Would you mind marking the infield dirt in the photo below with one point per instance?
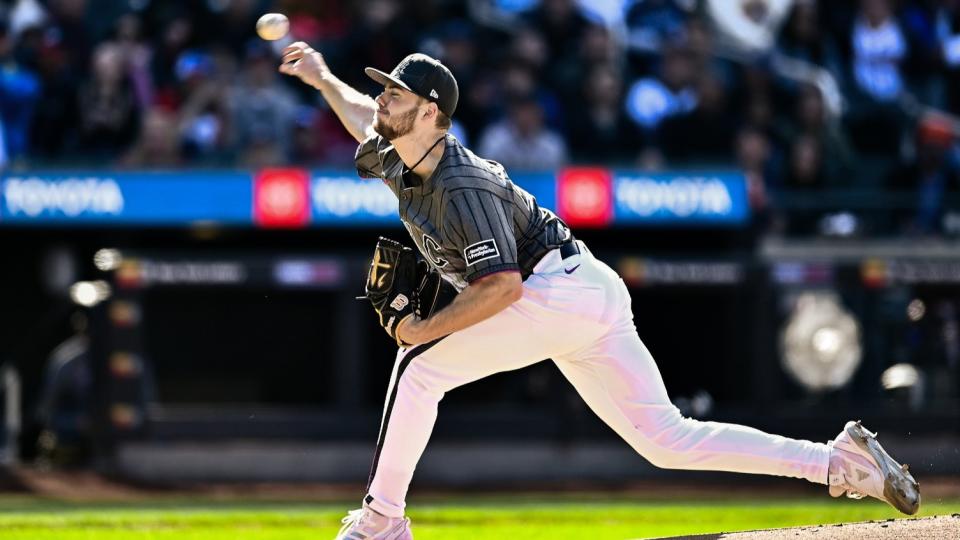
(926, 528)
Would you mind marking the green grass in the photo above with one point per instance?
(481, 518)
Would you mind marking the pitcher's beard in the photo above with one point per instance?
(404, 125)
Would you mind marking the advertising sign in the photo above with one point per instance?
(126, 198)
(672, 198)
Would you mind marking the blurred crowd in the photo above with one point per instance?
(799, 94)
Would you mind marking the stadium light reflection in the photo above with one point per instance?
(89, 293)
(820, 342)
(107, 259)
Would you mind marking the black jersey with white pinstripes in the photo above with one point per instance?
(468, 219)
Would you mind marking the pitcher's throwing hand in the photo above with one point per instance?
(302, 61)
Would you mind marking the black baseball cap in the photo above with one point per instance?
(425, 77)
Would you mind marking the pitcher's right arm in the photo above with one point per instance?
(354, 109)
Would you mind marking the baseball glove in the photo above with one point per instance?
(399, 286)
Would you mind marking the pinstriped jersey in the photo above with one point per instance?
(468, 219)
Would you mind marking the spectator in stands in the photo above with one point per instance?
(205, 114)
(529, 46)
(948, 35)
(879, 48)
(320, 140)
(19, 91)
(109, 109)
(758, 96)
(521, 141)
(70, 29)
(562, 25)
(597, 48)
(457, 48)
(933, 173)
(923, 65)
(158, 144)
(457, 44)
(598, 131)
(236, 24)
(263, 111)
(652, 99)
(137, 55)
(519, 79)
(699, 40)
(810, 120)
(804, 38)
(176, 36)
(703, 133)
(377, 36)
(754, 157)
(653, 24)
(805, 171)
(54, 130)
(805, 167)
(480, 102)
(527, 71)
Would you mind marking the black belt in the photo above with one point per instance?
(569, 248)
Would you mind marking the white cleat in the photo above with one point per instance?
(366, 524)
(859, 467)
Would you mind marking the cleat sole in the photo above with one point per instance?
(899, 487)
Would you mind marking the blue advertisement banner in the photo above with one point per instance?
(340, 199)
(543, 186)
(126, 198)
(334, 198)
(673, 199)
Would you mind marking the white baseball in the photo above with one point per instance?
(272, 26)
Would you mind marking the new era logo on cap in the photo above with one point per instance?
(424, 76)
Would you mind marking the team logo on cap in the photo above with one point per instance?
(434, 94)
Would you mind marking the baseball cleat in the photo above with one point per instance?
(367, 524)
(859, 466)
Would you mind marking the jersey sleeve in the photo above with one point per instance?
(479, 225)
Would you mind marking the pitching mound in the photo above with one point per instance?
(928, 528)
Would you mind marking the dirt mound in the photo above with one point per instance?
(926, 528)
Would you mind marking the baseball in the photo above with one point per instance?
(272, 26)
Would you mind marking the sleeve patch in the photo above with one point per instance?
(481, 251)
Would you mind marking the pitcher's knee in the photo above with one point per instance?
(664, 457)
(668, 441)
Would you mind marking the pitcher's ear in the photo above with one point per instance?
(431, 110)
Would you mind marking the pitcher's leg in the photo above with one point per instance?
(409, 413)
(523, 334)
(619, 380)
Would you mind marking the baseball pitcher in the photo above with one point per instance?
(525, 290)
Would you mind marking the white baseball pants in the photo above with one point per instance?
(577, 312)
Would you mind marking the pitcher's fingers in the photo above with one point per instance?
(292, 56)
(288, 68)
(296, 45)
